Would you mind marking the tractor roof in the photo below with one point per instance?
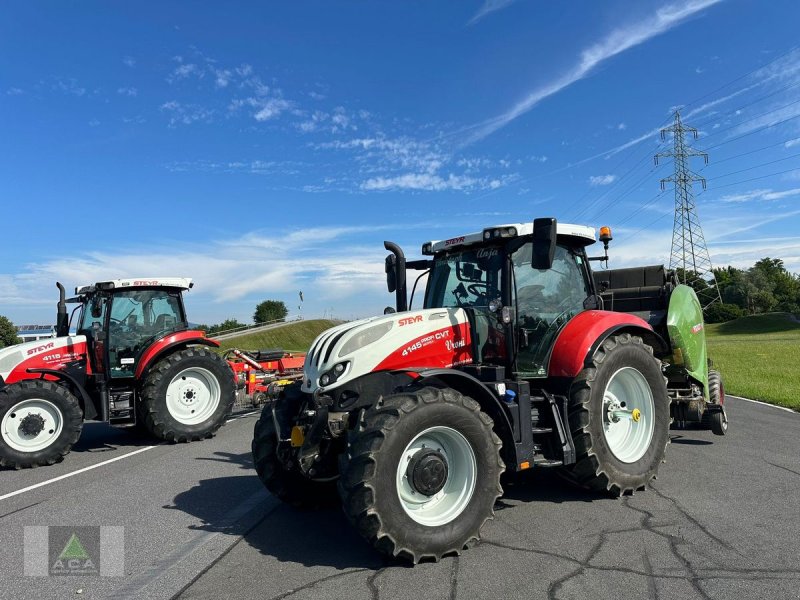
(183, 283)
(581, 235)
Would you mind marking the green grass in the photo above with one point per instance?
(759, 357)
(292, 337)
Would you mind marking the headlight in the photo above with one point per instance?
(365, 337)
(329, 377)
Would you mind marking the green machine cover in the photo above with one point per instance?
(687, 334)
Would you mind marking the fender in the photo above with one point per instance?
(173, 340)
(89, 408)
(478, 391)
(580, 338)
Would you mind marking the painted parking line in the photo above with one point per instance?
(100, 464)
(78, 472)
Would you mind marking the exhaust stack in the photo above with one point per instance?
(62, 323)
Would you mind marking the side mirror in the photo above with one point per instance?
(391, 274)
(544, 243)
(97, 308)
(389, 310)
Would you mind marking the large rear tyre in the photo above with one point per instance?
(423, 474)
(187, 396)
(286, 484)
(619, 417)
(39, 422)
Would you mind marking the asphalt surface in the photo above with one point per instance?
(721, 521)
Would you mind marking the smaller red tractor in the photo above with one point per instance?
(134, 361)
(263, 373)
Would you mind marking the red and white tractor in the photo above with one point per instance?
(134, 361)
(520, 358)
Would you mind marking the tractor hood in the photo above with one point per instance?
(432, 338)
(50, 353)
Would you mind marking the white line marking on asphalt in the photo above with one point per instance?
(78, 472)
(100, 464)
(763, 403)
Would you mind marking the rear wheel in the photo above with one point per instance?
(187, 396)
(39, 422)
(422, 475)
(619, 417)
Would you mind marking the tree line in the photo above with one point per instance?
(765, 287)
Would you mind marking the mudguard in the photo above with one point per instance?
(180, 338)
(580, 338)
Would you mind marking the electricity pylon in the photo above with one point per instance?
(689, 255)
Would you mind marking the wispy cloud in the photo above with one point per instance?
(127, 91)
(14, 91)
(185, 114)
(766, 194)
(596, 180)
(69, 86)
(429, 182)
(614, 43)
(488, 7)
(129, 61)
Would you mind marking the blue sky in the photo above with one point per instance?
(268, 148)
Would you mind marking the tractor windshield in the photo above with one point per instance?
(138, 317)
(466, 278)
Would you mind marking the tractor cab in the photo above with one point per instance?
(519, 286)
(122, 318)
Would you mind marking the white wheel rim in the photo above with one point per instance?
(193, 396)
(47, 416)
(453, 498)
(628, 415)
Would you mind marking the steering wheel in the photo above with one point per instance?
(474, 288)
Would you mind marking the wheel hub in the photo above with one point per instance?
(32, 425)
(427, 471)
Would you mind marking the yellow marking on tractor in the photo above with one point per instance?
(298, 436)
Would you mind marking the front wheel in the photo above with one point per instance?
(39, 422)
(422, 474)
(187, 396)
(619, 417)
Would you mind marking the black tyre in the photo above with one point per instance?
(717, 420)
(187, 396)
(288, 485)
(423, 474)
(619, 417)
(39, 422)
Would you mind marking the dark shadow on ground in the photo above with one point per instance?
(102, 437)
(324, 537)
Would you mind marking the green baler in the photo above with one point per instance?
(673, 310)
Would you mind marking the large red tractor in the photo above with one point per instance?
(133, 362)
(513, 363)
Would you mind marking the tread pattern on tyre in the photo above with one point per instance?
(153, 411)
(73, 424)
(289, 486)
(588, 472)
(356, 486)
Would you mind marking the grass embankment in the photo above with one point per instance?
(292, 337)
(759, 357)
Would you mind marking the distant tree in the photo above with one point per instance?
(720, 313)
(224, 326)
(270, 310)
(8, 333)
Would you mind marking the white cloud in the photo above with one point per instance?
(596, 180)
(14, 91)
(185, 114)
(271, 108)
(129, 61)
(69, 86)
(791, 143)
(94, 123)
(766, 194)
(127, 91)
(489, 6)
(614, 43)
(622, 126)
(430, 182)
